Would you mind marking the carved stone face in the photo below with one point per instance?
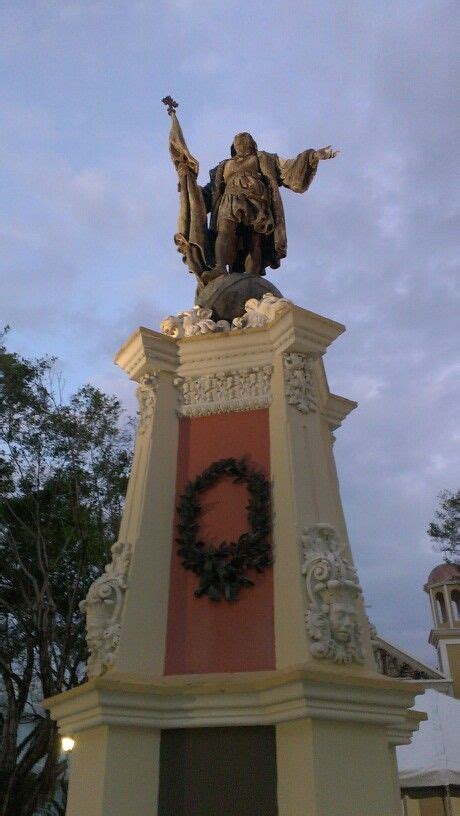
(171, 326)
(244, 144)
(342, 620)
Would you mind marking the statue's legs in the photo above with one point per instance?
(253, 260)
(226, 247)
(228, 251)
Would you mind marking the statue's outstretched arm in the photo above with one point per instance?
(324, 153)
(297, 174)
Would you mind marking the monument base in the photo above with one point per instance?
(208, 695)
(281, 743)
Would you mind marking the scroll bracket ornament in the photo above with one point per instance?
(259, 313)
(146, 393)
(333, 590)
(103, 607)
(198, 320)
(298, 381)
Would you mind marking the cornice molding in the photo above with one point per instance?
(255, 698)
(147, 351)
(293, 331)
(337, 409)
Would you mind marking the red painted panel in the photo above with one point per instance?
(204, 635)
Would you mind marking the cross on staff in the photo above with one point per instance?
(171, 104)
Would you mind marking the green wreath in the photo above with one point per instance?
(222, 570)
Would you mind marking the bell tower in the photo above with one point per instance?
(443, 588)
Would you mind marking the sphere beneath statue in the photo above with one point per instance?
(227, 294)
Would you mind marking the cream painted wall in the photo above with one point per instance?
(148, 523)
(294, 760)
(114, 772)
(410, 807)
(354, 771)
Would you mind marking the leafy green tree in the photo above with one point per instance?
(63, 473)
(446, 529)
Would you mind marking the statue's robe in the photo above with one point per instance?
(194, 239)
(295, 174)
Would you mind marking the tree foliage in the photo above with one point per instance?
(446, 529)
(63, 473)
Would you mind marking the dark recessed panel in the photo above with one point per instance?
(218, 772)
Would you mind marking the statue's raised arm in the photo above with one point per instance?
(191, 237)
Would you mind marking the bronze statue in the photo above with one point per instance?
(246, 230)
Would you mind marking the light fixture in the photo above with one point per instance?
(67, 744)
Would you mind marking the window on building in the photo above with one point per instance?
(440, 607)
(455, 603)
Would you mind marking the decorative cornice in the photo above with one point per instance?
(147, 351)
(298, 381)
(103, 607)
(255, 698)
(336, 409)
(224, 392)
(436, 635)
(146, 393)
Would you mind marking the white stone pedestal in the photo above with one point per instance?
(177, 683)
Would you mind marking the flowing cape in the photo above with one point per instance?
(191, 237)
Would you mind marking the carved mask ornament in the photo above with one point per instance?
(103, 607)
(333, 590)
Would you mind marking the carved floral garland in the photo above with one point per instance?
(222, 570)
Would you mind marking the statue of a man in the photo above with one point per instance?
(246, 230)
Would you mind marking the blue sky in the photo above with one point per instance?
(89, 207)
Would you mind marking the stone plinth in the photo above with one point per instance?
(268, 705)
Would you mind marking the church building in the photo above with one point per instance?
(429, 768)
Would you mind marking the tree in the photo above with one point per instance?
(446, 529)
(63, 473)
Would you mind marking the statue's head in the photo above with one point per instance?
(243, 144)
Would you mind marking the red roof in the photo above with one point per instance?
(443, 573)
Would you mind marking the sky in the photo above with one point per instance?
(89, 206)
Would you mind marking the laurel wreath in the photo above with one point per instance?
(223, 570)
